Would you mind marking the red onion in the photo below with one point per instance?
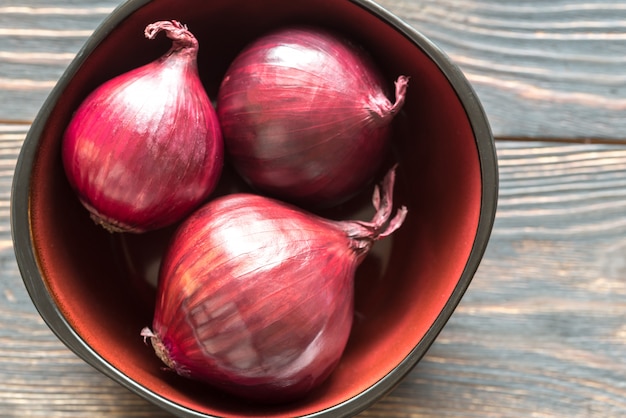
(305, 116)
(145, 148)
(255, 296)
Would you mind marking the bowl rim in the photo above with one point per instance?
(29, 267)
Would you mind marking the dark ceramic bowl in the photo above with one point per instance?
(93, 288)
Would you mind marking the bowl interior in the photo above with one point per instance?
(405, 290)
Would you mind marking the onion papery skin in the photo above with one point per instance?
(255, 296)
(306, 117)
(145, 148)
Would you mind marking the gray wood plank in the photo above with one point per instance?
(549, 69)
(38, 40)
(541, 68)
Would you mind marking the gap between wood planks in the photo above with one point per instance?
(577, 140)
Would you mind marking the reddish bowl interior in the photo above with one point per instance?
(406, 289)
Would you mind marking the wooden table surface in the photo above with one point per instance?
(541, 331)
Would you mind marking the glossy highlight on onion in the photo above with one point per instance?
(255, 296)
(306, 117)
(145, 148)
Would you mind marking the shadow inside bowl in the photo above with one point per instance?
(102, 284)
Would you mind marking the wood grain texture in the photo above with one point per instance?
(38, 41)
(39, 376)
(541, 331)
(550, 69)
(541, 68)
